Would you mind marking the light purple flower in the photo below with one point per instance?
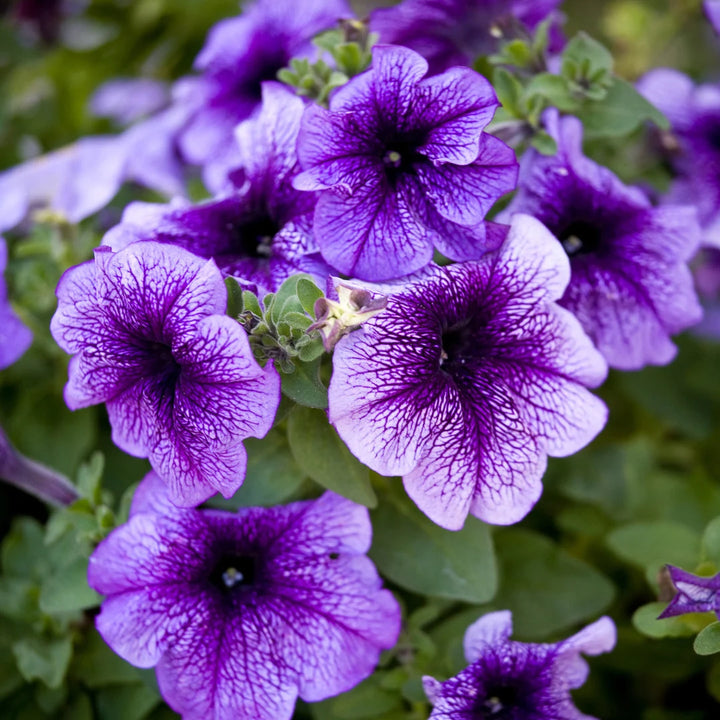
(126, 100)
(630, 286)
(149, 338)
(469, 379)
(712, 12)
(404, 167)
(15, 338)
(522, 681)
(242, 612)
(239, 54)
(82, 178)
(706, 269)
(692, 149)
(694, 594)
(262, 232)
(457, 32)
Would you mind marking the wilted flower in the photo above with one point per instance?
(149, 338)
(456, 32)
(242, 612)
(694, 594)
(630, 285)
(469, 379)
(517, 681)
(261, 232)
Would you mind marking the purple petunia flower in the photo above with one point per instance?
(404, 167)
(242, 612)
(630, 285)
(693, 148)
(149, 338)
(523, 681)
(239, 54)
(126, 100)
(15, 338)
(469, 379)
(694, 594)
(262, 232)
(457, 32)
(712, 12)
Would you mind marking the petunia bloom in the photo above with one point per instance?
(469, 379)
(630, 284)
(403, 166)
(239, 54)
(242, 612)
(694, 594)
(148, 335)
(15, 338)
(260, 231)
(457, 32)
(516, 680)
(712, 11)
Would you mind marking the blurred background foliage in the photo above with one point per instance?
(644, 494)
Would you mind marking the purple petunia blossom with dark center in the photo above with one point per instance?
(261, 232)
(242, 612)
(469, 379)
(457, 32)
(630, 284)
(404, 167)
(693, 148)
(149, 337)
(239, 54)
(15, 338)
(510, 680)
(695, 594)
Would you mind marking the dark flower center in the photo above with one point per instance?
(580, 237)
(162, 365)
(499, 702)
(233, 572)
(400, 155)
(256, 235)
(459, 345)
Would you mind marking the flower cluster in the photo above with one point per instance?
(352, 257)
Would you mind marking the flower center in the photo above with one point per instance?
(497, 703)
(256, 235)
(399, 155)
(580, 238)
(458, 346)
(233, 572)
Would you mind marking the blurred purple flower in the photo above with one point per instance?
(515, 680)
(239, 54)
(15, 338)
(457, 32)
(149, 338)
(694, 594)
(262, 232)
(693, 148)
(630, 286)
(712, 12)
(242, 612)
(404, 167)
(126, 100)
(469, 379)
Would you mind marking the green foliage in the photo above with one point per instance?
(708, 640)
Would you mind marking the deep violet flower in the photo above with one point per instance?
(694, 594)
(511, 680)
(693, 148)
(239, 54)
(630, 285)
(242, 612)
(706, 270)
(404, 167)
(469, 379)
(457, 32)
(149, 338)
(15, 338)
(261, 233)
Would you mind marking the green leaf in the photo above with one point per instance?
(367, 700)
(652, 545)
(251, 303)
(509, 90)
(420, 556)
(96, 665)
(43, 659)
(308, 292)
(711, 542)
(304, 385)
(89, 478)
(321, 454)
(67, 589)
(546, 588)
(235, 302)
(544, 143)
(585, 52)
(708, 640)
(622, 110)
(554, 89)
(645, 620)
(126, 702)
